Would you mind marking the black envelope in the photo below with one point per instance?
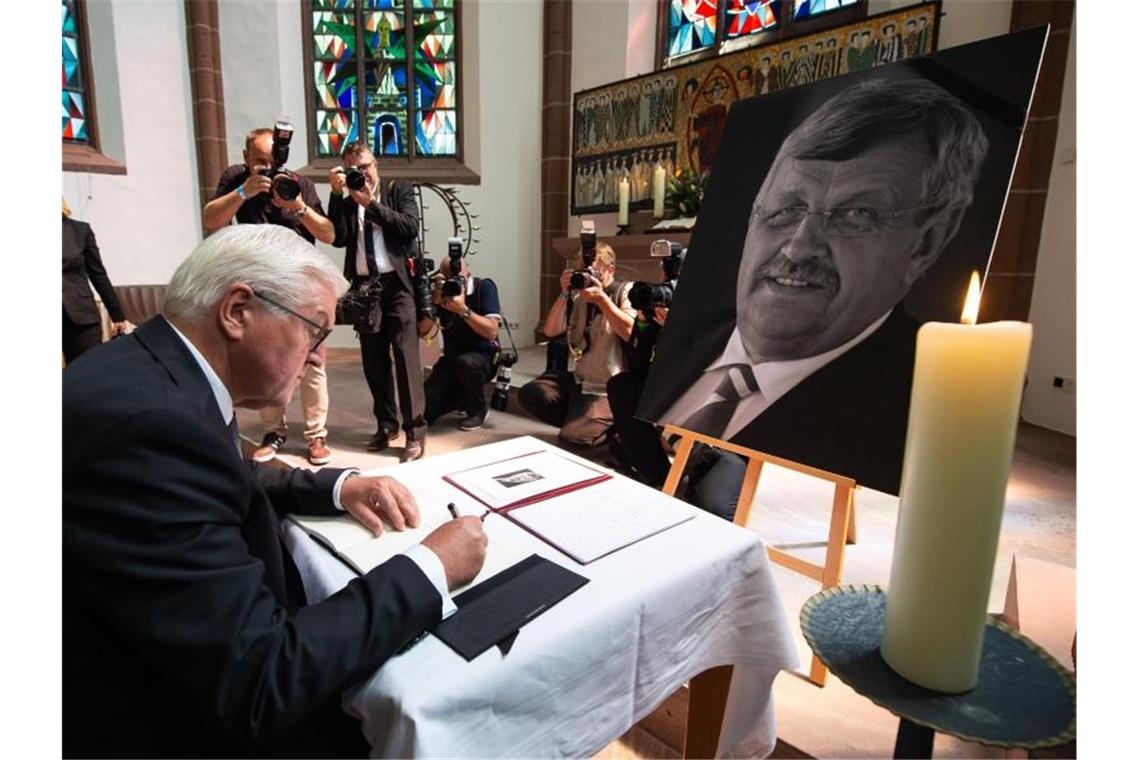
(494, 611)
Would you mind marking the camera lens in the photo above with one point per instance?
(577, 281)
(286, 187)
(354, 178)
(451, 288)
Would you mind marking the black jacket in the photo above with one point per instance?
(182, 634)
(81, 262)
(397, 214)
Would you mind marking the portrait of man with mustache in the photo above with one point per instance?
(860, 200)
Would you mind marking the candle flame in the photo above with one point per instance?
(973, 300)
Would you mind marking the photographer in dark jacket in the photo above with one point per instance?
(377, 225)
(469, 322)
(713, 477)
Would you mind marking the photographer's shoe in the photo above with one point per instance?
(318, 452)
(379, 441)
(413, 450)
(473, 421)
(268, 449)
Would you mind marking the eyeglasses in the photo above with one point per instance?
(319, 333)
(360, 167)
(845, 221)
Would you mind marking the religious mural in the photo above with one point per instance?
(675, 118)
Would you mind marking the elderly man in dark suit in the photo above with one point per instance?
(185, 629)
(377, 225)
(859, 202)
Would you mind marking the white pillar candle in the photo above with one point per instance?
(623, 202)
(963, 420)
(659, 191)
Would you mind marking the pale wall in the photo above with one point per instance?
(1054, 309)
(147, 220)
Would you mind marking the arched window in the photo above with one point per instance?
(386, 72)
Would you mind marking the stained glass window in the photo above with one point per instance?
(747, 16)
(692, 25)
(806, 9)
(701, 28)
(370, 84)
(75, 105)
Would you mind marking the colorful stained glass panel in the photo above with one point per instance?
(745, 17)
(388, 132)
(336, 5)
(335, 83)
(805, 9)
(435, 35)
(74, 117)
(384, 34)
(435, 81)
(69, 17)
(334, 35)
(71, 63)
(384, 5)
(435, 132)
(692, 25)
(335, 129)
(433, 4)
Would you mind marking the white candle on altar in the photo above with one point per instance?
(659, 191)
(623, 202)
(963, 420)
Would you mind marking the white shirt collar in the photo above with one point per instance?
(778, 377)
(221, 394)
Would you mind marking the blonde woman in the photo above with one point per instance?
(81, 262)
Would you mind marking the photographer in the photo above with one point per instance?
(713, 477)
(469, 321)
(377, 224)
(261, 191)
(601, 317)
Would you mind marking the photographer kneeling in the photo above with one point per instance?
(713, 477)
(600, 315)
(469, 319)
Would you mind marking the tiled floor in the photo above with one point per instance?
(1039, 522)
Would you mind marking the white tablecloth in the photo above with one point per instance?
(653, 615)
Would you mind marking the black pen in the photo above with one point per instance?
(452, 510)
(484, 515)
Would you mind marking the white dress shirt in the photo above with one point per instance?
(383, 260)
(775, 378)
(425, 558)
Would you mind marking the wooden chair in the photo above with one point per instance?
(842, 525)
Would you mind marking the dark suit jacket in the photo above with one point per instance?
(180, 634)
(849, 417)
(81, 261)
(397, 214)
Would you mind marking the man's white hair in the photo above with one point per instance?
(271, 259)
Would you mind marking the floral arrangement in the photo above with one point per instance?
(684, 193)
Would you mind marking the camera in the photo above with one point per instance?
(503, 381)
(453, 285)
(421, 287)
(355, 179)
(284, 183)
(587, 238)
(644, 296)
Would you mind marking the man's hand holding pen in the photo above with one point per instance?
(461, 546)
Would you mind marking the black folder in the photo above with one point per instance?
(497, 608)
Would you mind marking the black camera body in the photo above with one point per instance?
(645, 296)
(355, 179)
(285, 183)
(421, 287)
(453, 284)
(503, 381)
(588, 240)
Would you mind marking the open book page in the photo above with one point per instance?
(345, 537)
(523, 479)
(593, 522)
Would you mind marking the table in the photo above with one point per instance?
(1024, 697)
(654, 615)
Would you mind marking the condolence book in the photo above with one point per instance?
(583, 512)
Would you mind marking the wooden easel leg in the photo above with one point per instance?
(684, 449)
(708, 694)
(748, 492)
(851, 524)
(833, 561)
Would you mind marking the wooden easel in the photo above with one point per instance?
(840, 533)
